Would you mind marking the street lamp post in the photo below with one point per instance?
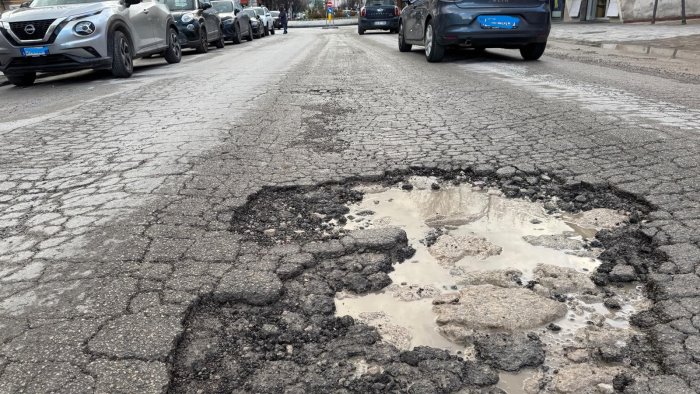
(682, 12)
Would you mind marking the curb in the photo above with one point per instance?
(663, 52)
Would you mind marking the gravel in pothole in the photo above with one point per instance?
(503, 280)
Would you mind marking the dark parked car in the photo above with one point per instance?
(379, 15)
(236, 23)
(255, 22)
(276, 19)
(198, 24)
(436, 24)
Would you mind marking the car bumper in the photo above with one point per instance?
(188, 34)
(66, 52)
(459, 26)
(382, 24)
(229, 30)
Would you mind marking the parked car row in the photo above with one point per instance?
(69, 35)
(477, 24)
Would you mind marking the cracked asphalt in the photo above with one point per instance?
(117, 196)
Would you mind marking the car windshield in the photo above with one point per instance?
(48, 3)
(222, 6)
(380, 2)
(249, 12)
(259, 11)
(180, 5)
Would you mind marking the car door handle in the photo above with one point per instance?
(145, 11)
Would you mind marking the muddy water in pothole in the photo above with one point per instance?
(480, 237)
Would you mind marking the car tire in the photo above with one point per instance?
(237, 34)
(250, 37)
(174, 52)
(220, 42)
(272, 30)
(360, 31)
(122, 55)
(403, 47)
(434, 52)
(266, 31)
(22, 80)
(533, 51)
(203, 46)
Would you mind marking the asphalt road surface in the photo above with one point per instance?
(116, 196)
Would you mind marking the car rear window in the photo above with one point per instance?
(380, 2)
(222, 6)
(180, 5)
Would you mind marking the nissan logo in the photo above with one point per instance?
(29, 29)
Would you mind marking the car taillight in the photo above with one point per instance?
(397, 11)
(363, 12)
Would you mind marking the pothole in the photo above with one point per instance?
(449, 284)
(488, 265)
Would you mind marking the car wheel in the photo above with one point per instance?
(434, 52)
(403, 47)
(122, 56)
(203, 45)
(24, 79)
(174, 53)
(237, 34)
(360, 30)
(250, 33)
(272, 30)
(220, 42)
(266, 31)
(533, 51)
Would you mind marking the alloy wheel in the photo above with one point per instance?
(175, 45)
(428, 40)
(125, 51)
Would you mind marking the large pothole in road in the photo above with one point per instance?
(424, 285)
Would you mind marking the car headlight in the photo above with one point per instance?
(187, 18)
(5, 25)
(84, 28)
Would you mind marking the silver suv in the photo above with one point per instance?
(67, 35)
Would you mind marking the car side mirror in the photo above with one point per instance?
(205, 6)
(236, 12)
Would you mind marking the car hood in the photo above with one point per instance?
(53, 12)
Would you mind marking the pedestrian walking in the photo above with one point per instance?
(283, 18)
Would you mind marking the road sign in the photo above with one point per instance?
(329, 4)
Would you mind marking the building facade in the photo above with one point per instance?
(628, 11)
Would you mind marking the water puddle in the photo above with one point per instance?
(486, 263)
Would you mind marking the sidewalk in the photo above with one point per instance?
(668, 39)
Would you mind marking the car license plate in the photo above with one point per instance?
(35, 51)
(498, 22)
(380, 23)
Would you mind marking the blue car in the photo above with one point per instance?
(478, 24)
